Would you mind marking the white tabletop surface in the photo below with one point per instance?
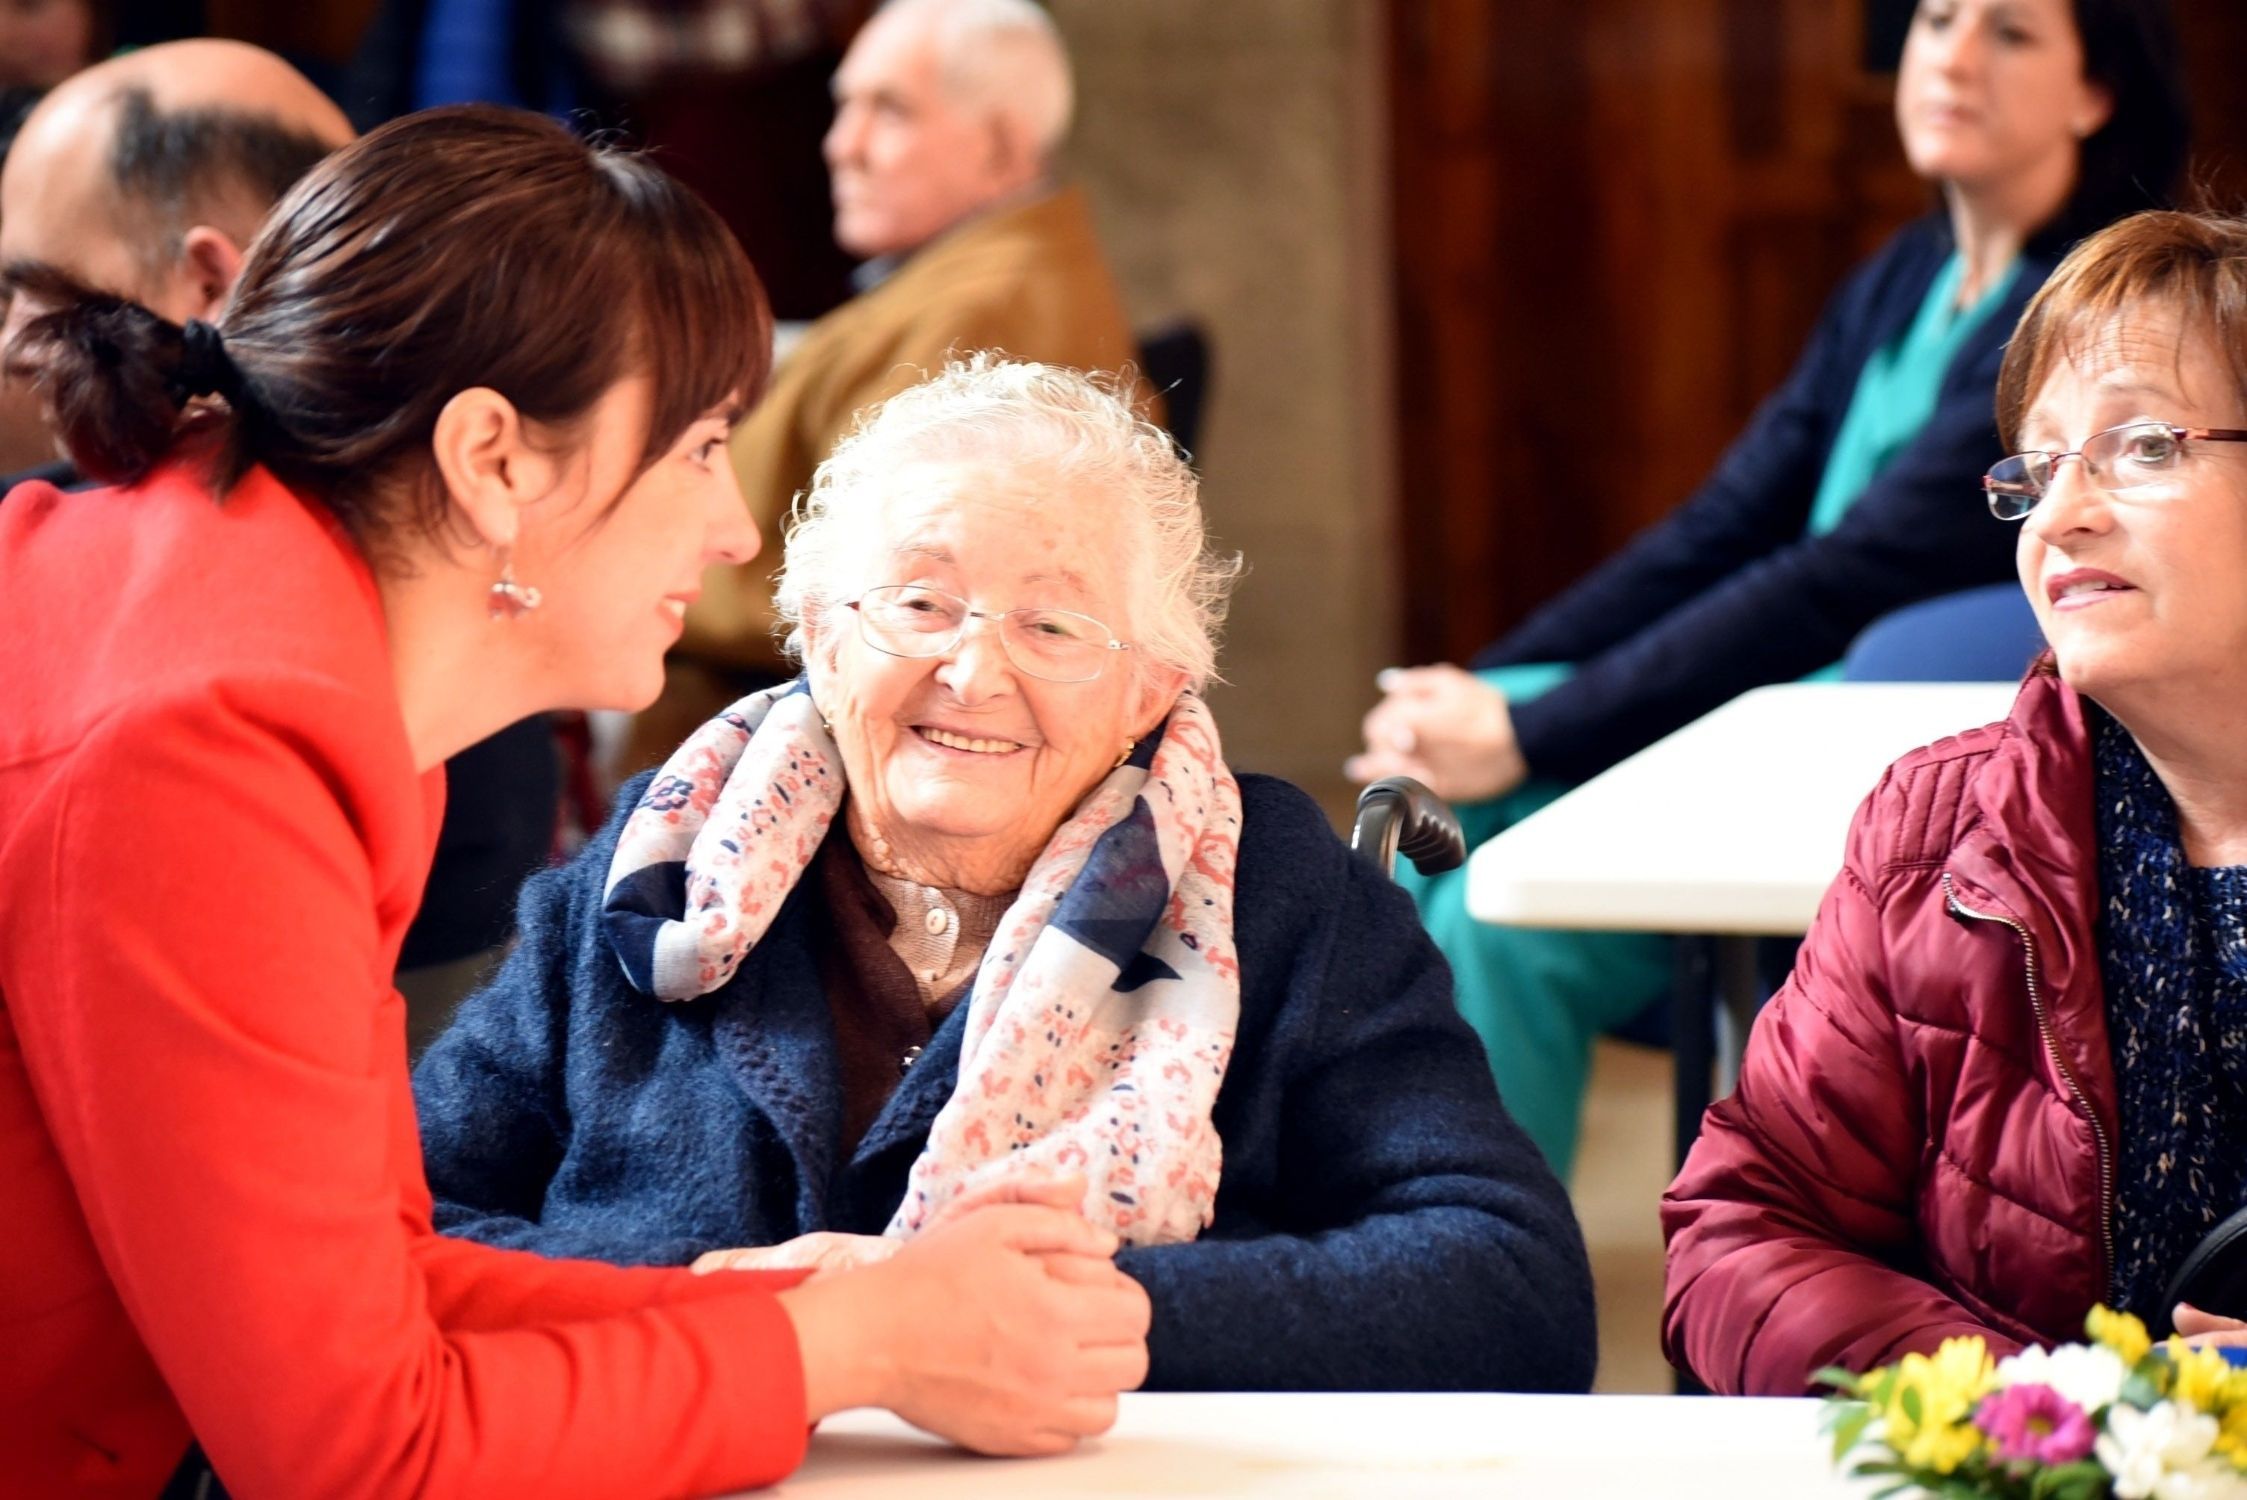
(1734, 824)
(1358, 1447)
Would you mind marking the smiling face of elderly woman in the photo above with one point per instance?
(2135, 555)
(962, 765)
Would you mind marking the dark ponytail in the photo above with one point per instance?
(455, 248)
(114, 376)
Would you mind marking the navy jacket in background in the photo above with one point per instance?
(1381, 1223)
(1727, 593)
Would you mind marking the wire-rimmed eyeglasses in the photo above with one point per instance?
(1057, 645)
(2121, 458)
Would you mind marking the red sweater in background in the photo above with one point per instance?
(212, 837)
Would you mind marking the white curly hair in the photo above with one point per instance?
(1077, 431)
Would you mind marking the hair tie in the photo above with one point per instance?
(205, 368)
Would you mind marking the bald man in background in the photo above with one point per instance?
(146, 177)
(949, 117)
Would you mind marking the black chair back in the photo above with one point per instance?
(1175, 360)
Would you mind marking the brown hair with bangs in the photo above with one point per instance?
(2192, 265)
(458, 248)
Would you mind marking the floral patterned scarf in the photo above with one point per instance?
(1102, 1017)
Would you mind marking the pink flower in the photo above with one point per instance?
(2036, 1423)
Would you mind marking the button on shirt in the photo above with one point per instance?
(895, 957)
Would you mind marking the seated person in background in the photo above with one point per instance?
(948, 117)
(338, 553)
(146, 178)
(978, 895)
(1850, 494)
(2006, 1079)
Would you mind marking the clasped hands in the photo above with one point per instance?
(1004, 1327)
(1445, 728)
(2207, 1329)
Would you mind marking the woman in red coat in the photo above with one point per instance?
(2007, 1076)
(455, 454)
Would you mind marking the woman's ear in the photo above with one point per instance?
(1158, 690)
(488, 468)
(2093, 110)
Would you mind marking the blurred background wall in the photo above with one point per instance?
(1236, 156)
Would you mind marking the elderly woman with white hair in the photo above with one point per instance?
(975, 909)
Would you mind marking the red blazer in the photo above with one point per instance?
(212, 836)
(1921, 1143)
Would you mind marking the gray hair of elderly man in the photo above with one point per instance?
(1078, 432)
(1001, 57)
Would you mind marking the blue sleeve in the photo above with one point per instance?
(492, 1092)
(1757, 500)
(1414, 1238)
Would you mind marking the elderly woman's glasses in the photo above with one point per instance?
(1057, 645)
(2121, 458)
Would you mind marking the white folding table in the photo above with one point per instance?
(1350, 1447)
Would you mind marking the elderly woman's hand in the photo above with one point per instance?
(820, 1253)
(826, 1250)
(1444, 727)
(2207, 1328)
(1008, 1331)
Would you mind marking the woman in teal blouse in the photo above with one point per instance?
(1853, 491)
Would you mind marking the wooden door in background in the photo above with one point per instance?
(1615, 223)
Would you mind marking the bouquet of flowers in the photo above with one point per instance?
(2119, 1416)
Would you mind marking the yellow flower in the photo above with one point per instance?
(2203, 1377)
(2231, 1438)
(2124, 1333)
(1947, 1384)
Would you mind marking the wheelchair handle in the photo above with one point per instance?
(1398, 813)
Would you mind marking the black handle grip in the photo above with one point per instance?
(1398, 813)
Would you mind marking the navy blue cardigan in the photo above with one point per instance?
(1381, 1222)
(1727, 593)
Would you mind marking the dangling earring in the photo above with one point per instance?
(507, 599)
(1125, 754)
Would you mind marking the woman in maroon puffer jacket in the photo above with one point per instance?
(2008, 1075)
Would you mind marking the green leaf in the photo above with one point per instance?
(1841, 1380)
(1849, 1428)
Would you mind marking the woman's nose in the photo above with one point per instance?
(1958, 48)
(977, 666)
(730, 533)
(2071, 502)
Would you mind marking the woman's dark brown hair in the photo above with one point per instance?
(456, 248)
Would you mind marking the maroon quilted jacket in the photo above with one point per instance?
(1922, 1141)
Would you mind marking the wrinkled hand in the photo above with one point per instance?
(820, 1253)
(2207, 1329)
(1007, 1330)
(1444, 727)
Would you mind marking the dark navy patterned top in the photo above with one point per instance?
(2173, 954)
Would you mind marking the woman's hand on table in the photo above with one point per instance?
(1007, 1330)
(819, 1253)
(1443, 727)
(826, 1250)
(2208, 1329)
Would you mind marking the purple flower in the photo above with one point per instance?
(2035, 1423)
